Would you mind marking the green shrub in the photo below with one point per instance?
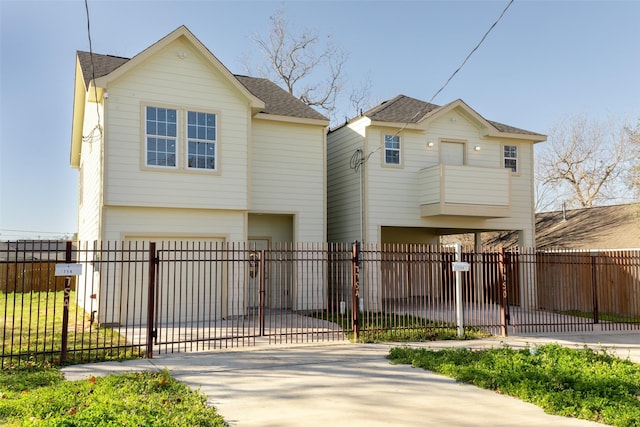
(570, 382)
(140, 399)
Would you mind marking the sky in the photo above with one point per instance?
(543, 62)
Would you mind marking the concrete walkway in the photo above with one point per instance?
(352, 384)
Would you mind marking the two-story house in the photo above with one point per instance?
(407, 171)
(171, 146)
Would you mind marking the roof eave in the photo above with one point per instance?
(496, 133)
(402, 125)
(291, 119)
(79, 100)
(255, 103)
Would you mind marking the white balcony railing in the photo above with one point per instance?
(465, 190)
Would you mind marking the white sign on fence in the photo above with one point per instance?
(68, 269)
(460, 266)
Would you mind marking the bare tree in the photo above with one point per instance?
(309, 67)
(633, 178)
(583, 162)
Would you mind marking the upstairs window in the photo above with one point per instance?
(201, 140)
(161, 135)
(392, 149)
(511, 157)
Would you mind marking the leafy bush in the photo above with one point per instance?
(570, 382)
(41, 397)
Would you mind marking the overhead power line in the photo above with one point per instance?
(358, 158)
(472, 51)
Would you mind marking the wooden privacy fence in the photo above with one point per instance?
(598, 282)
(144, 298)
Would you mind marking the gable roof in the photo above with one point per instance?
(276, 100)
(404, 109)
(601, 227)
(25, 250)
(102, 65)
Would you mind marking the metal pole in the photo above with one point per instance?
(503, 292)
(594, 286)
(459, 313)
(355, 297)
(261, 292)
(65, 308)
(151, 332)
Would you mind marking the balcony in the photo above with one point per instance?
(465, 191)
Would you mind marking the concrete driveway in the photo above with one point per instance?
(352, 384)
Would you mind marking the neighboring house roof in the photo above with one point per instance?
(404, 109)
(46, 250)
(277, 100)
(602, 227)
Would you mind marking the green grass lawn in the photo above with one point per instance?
(384, 327)
(33, 328)
(577, 383)
(41, 397)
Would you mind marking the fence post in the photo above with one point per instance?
(65, 307)
(355, 295)
(459, 308)
(594, 285)
(151, 299)
(504, 298)
(261, 292)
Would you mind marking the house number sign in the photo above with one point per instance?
(68, 269)
(460, 266)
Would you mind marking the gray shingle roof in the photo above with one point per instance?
(598, 227)
(102, 65)
(277, 100)
(404, 109)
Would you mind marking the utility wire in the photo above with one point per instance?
(98, 128)
(33, 231)
(358, 158)
(472, 51)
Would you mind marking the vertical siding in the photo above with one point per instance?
(288, 174)
(343, 184)
(190, 83)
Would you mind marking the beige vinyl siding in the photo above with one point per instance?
(393, 194)
(288, 175)
(90, 179)
(189, 84)
(169, 223)
(343, 184)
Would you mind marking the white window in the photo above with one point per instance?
(161, 137)
(392, 149)
(201, 140)
(511, 157)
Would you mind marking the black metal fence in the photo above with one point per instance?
(143, 298)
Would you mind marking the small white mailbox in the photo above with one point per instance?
(460, 266)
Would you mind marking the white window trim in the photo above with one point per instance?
(205, 141)
(399, 150)
(182, 146)
(146, 135)
(516, 158)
